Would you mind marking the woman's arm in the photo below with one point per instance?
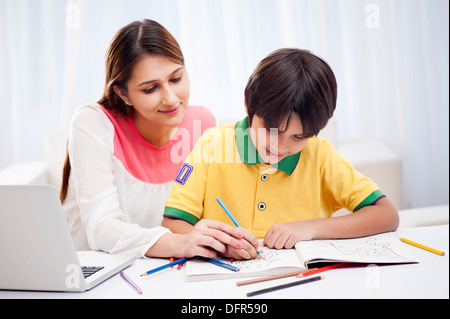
(244, 245)
(205, 239)
(374, 219)
(107, 226)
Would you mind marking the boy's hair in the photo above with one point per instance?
(292, 81)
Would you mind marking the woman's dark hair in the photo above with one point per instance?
(127, 47)
(292, 81)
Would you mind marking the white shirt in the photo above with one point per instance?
(119, 182)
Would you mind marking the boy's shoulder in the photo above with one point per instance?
(319, 142)
(319, 147)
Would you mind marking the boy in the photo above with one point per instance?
(278, 178)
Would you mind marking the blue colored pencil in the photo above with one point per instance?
(236, 223)
(218, 263)
(179, 261)
(225, 208)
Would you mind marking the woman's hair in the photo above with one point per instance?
(292, 81)
(127, 47)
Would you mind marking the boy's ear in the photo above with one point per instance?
(121, 93)
(245, 104)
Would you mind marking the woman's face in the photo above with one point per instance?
(158, 90)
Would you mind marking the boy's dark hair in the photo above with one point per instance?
(292, 81)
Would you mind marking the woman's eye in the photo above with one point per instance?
(176, 80)
(150, 90)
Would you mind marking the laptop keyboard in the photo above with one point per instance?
(90, 270)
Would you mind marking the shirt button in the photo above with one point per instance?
(264, 177)
(261, 206)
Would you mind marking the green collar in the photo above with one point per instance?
(249, 155)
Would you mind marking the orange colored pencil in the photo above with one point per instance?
(321, 269)
(432, 250)
(271, 277)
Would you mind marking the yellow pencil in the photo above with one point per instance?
(437, 252)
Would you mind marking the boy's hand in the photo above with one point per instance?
(285, 235)
(247, 247)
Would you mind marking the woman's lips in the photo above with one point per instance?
(170, 111)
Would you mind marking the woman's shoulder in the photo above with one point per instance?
(198, 112)
(88, 110)
(91, 117)
(91, 112)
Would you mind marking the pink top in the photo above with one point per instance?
(140, 158)
(119, 182)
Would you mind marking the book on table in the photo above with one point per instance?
(383, 248)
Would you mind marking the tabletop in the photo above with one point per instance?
(427, 279)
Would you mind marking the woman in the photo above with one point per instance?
(123, 152)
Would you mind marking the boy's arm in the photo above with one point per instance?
(374, 219)
(177, 226)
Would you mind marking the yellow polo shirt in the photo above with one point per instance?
(224, 163)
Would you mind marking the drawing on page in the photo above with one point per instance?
(270, 256)
(363, 247)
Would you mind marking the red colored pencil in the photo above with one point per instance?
(321, 269)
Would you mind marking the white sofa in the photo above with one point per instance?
(372, 158)
(47, 171)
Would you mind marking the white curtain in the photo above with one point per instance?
(391, 60)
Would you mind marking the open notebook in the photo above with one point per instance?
(377, 249)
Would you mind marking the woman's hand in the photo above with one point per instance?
(206, 238)
(247, 248)
(209, 237)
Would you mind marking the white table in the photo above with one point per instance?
(427, 279)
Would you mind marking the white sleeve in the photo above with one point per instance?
(91, 147)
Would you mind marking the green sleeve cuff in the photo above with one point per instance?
(180, 214)
(370, 200)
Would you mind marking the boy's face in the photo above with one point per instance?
(273, 145)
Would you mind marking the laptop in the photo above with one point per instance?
(36, 250)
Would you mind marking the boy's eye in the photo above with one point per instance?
(299, 137)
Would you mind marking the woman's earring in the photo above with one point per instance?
(127, 102)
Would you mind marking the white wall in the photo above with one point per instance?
(390, 59)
